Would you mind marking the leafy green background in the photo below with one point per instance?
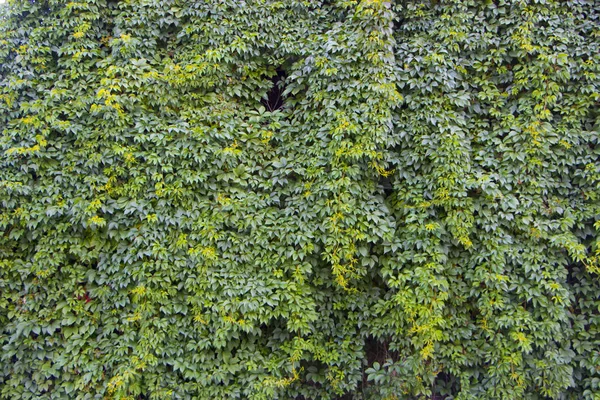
(299, 199)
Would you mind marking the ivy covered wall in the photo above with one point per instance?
(296, 199)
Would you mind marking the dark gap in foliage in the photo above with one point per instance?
(115, 3)
(274, 98)
(327, 3)
(473, 193)
(445, 384)
(108, 27)
(168, 36)
(398, 21)
(574, 274)
(282, 202)
(505, 81)
(378, 351)
(347, 396)
(379, 283)
(385, 183)
(404, 106)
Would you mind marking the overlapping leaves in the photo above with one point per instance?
(298, 199)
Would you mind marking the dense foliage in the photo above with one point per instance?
(299, 199)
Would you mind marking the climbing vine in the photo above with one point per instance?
(262, 199)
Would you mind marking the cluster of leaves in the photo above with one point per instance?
(299, 199)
